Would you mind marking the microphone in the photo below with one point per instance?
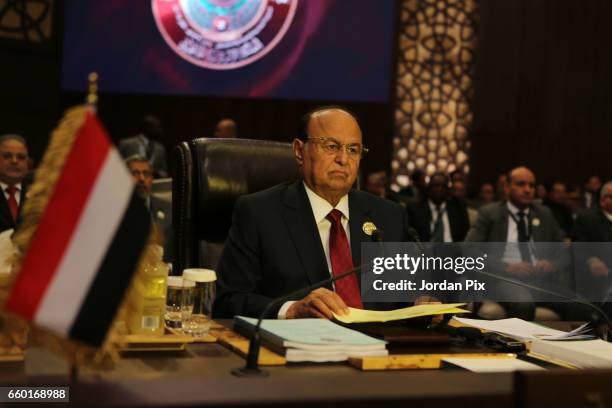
(251, 368)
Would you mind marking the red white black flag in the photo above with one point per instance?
(87, 244)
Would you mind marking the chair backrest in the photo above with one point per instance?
(210, 175)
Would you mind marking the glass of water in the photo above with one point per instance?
(178, 301)
(198, 322)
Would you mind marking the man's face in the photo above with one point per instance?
(487, 193)
(521, 187)
(458, 190)
(143, 176)
(13, 161)
(593, 185)
(558, 193)
(605, 201)
(225, 129)
(328, 173)
(437, 190)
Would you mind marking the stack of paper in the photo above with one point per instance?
(523, 330)
(582, 354)
(367, 316)
(317, 340)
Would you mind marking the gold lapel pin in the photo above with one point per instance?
(368, 228)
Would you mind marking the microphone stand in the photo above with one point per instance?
(251, 368)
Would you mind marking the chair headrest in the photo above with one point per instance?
(225, 169)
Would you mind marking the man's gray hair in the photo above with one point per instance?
(13, 136)
(138, 158)
(606, 187)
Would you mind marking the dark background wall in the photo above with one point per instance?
(543, 89)
(191, 117)
(30, 78)
(542, 95)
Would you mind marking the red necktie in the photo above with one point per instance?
(340, 255)
(12, 201)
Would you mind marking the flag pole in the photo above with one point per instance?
(92, 91)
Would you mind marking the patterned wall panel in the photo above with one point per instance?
(434, 87)
(26, 20)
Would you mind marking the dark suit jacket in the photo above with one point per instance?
(155, 153)
(492, 224)
(274, 248)
(593, 227)
(6, 219)
(420, 217)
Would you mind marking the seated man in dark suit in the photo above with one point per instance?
(557, 201)
(593, 267)
(160, 209)
(13, 169)
(518, 220)
(295, 234)
(437, 217)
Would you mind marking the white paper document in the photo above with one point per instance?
(523, 330)
(582, 354)
(492, 365)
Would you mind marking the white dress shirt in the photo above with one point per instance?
(17, 192)
(434, 219)
(320, 209)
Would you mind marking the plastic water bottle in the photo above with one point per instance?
(147, 314)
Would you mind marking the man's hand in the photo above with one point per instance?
(598, 269)
(320, 302)
(519, 270)
(430, 300)
(543, 268)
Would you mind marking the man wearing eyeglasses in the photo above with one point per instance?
(13, 169)
(161, 210)
(295, 234)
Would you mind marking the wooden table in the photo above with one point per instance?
(201, 376)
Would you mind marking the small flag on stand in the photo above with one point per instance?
(87, 244)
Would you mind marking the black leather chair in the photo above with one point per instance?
(210, 175)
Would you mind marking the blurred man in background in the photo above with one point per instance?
(558, 202)
(147, 144)
(160, 209)
(518, 220)
(438, 217)
(226, 129)
(591, 193)
(459, 193)
(486, 195)
(13, 170)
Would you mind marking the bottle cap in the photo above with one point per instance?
(199, 275)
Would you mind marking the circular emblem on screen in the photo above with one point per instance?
(223, 34)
